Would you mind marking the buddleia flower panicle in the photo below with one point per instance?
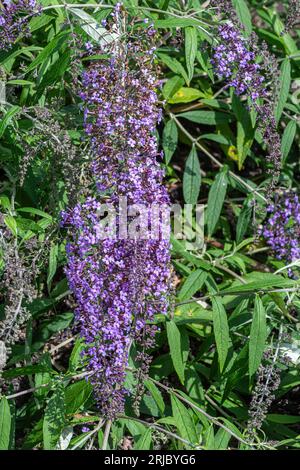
(14, 19)
(119, 284)
(263, 395)
(281, 229)
(17, 287)
(292, 17)
(248, 67)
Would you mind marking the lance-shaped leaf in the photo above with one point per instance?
(190, 50)
(5, 424)
(216, 198)
(170, 139)
(175, 344)
(192, 178)
(285, 82)
(221, 331)
(258, 334)
(93, 28)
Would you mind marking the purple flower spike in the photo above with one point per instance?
(281, 229)
(119, 283)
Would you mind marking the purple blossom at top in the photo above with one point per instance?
(119, 284)
(282, 228)
(14, 20)
(233, 61)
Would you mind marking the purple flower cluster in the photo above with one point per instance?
(14, 20)
(281, 230)
(233, 61)
(119, 284)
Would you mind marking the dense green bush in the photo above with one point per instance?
(225, 367)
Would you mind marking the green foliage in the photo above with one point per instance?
(5, 424)
(235, 308)
(191, 178)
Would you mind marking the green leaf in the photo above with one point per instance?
(210, 438)
(5, 424)
(285, 82)
(192, 284)
(203, 58)
(26, 370)
(20, 82)
(243, 220)
(192, 178)
(149, 406)
(51, 47)
(135, 428)
(221, 331)
(245, 131)
(7, 57)
(42, 380)
(52, 264)
(183, 420)
(209, 118)
(11, 223)
(169, 139)
(5, 202)
(185, 95)
(7, 118)
(174, 65)
(193, 384)
(244, 142)
(34, 437)
(258, 334)
(222, 439)
(75, 357)
(99, 34)
(262, 285)
(40, 21)
(54, 418)
(172, 86)
(216, 199)
(287, 139)
(283, 419)
(191, 46)
(144, 442)
(76, 395)
(47, 328)
(156, 394)
(175, 344)
(164, 4)
(221, 139)
(175, 23)
(243, 14)
(192, 315)
(33, 210)
(24, 225)
(79, 441)
(55, 72)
